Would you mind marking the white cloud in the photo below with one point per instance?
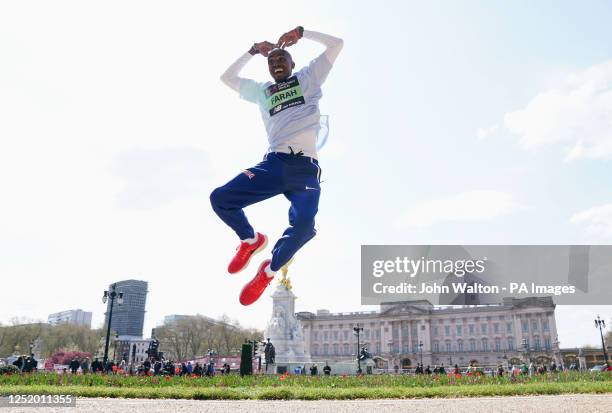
(466, 206)
(484, 133)
(598, 220)
(577, 112)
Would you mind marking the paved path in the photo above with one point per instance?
(582, 403)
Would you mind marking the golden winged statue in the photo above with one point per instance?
(284, 279)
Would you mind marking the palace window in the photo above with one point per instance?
(497, 344)
(447, 331)
(510, 344)
(537, 343)
(459, 330)
(547, 343)
(525, 326)
(483, 328)
(545, 325)
(460, 345)
(448, 347)
(485, 344)
(496, 328)
(508, 328)
(534, 325)
(472, 345)
(436, 347)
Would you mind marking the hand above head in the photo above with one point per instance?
(262, 48)
(290, 38)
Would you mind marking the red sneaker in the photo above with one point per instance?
(245, 252)
(255, 288)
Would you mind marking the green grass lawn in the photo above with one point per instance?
(303, 387)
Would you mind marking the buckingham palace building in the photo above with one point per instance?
(402, 334)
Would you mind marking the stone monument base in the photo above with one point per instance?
(290, 367)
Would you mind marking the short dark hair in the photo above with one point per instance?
(279, 50)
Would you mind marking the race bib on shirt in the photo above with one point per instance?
(284, 95)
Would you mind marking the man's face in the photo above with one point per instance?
(280, 64)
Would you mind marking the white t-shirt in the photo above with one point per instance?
(290, 108)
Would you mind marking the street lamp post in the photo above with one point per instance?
(421, 351)
(112, 294)
(115, 347)
(357, 330)
(525, 348)
(601, 324)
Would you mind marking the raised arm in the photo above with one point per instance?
(333, 45)
(231, 75)
(320, 66)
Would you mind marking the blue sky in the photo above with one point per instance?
(451, 122)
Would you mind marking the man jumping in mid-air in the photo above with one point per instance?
(290, 111)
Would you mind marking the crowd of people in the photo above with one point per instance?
(153, 366)
(26, 364)
(522, 369)
(148, 367)
(314, 370)
(534, 368)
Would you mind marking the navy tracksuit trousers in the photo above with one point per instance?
(295, 176)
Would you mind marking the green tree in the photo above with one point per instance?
(191, 337)
(17, 338)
